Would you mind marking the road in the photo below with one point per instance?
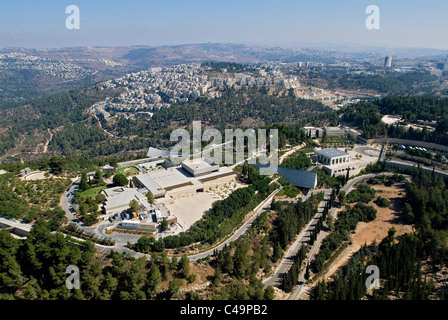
(411, 165)
(65, 203)
(288, 258)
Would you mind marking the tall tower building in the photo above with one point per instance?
(388, 62)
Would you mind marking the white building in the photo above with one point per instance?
(332, 156)
(336, 162)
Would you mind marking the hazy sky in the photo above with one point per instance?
(404, 23)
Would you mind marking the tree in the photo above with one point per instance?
(184, 266)
(120, 180)
(100, 197)
(174, 286)
(192, 295)
(154, 280)
(218, 276)
(324, 136)
(382, 202)
(164, 225)
(341, 198)
(98, 176)
(57, 165)
(307, 273)
(134, 205)
(269, 293)
(150, 197)
(113, 162)
(83, 183)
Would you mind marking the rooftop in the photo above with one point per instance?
(333, 129)
(299, 178)
(201, 163)
(149, 183)
(296, 177)
(121, 196)
(170, 178)
(331, 153)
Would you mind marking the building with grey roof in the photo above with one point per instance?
(25, 172)
(155, 153)
(200, 167)
(146, 183)
(165, 180)
(335, 161)
(332, 156)
(118, 199)
(299, 178)
(331, 131)
(296, 177)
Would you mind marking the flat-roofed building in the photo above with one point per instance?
(147, 226)
(200, 167)
(332, 131)
(335, 162)
(118, 199)
(332, 156)
(147, 183)
(310, 131)
(180, 181)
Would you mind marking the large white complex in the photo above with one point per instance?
(191, 177)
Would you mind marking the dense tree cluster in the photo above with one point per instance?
(367, 115)
(346, 222)
(35, 268)
(400, 271)
(289, 280)
(79, 135)
(297, 160)
(390, 83)
(290, 222)
(362, 193)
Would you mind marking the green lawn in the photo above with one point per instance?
(307, 150)
(127, 171)
(91, 192)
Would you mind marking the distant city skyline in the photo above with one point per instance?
(404, 23)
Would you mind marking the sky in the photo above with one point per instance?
(403, 23)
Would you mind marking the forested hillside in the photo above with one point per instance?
(408, 264)
(367, 115)
(77, 133)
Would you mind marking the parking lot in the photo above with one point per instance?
(121, 237)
